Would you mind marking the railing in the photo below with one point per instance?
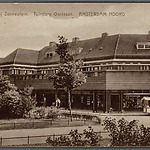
(34, 140)
(46, 124)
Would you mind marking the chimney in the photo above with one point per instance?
(105, 34)
(51, 44)
(148, 35)
(75, 39)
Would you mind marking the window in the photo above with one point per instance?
(50, 54)
(88, 100)
(99, 68)
(76, 51)
(140, 46)
(143, 45)
(96, 74)
(144, 67)
(96, 68)
(82, 99)
(83, 69)
(147, 46)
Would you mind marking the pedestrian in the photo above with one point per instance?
(57, 102)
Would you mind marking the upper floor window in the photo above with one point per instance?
(147, 46)
(50, 54)
(143, 45)
(76, 51)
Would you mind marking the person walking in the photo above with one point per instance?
(57, 102)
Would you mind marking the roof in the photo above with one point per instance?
(91, 49)
(98, 48)
(127, 46)
(1, 59)
(42, 59)
(105, 47)
(21, 56)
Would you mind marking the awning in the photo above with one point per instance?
(136, 94)
(146, 99)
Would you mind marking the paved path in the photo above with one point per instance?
(39, 132)
(143, 119)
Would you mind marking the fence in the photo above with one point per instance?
(34, 140)
(45, 124)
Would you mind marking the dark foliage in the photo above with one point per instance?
(14, 103)
(124, 133)
(87, 138)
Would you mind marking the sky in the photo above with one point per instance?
(35, 32)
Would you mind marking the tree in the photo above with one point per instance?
(69, 74)
(13, 103)
(27, 101)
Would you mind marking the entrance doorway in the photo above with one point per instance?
(115, 102)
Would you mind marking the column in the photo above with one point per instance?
(107, 101)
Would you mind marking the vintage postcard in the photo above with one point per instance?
(75, 74)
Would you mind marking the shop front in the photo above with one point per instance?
(134, 101)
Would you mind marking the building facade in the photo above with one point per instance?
(117, 67)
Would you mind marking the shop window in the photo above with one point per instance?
(82, 99)
(131, 102)
(23, 78)
(88, 100)
(40, 77)
(27, 77)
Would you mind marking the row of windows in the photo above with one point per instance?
(21, 72)
(142, 45)
(94, 69)
(31, 77)
(119, 67)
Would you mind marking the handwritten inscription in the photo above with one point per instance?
(90, 14)
(63, 14)
(15, 14)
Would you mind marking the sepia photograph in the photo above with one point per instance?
(74, 75)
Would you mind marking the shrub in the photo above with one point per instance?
(124, 133)
(45, 113)
(52, 113)
(14, 103)
(59, 141)
(74, 138)
(93, 137)
(82, 116)
(37, 113)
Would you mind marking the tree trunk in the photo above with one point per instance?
(69, 103)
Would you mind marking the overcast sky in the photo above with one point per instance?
(31, 32)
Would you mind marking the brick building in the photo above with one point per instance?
(117, 66)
